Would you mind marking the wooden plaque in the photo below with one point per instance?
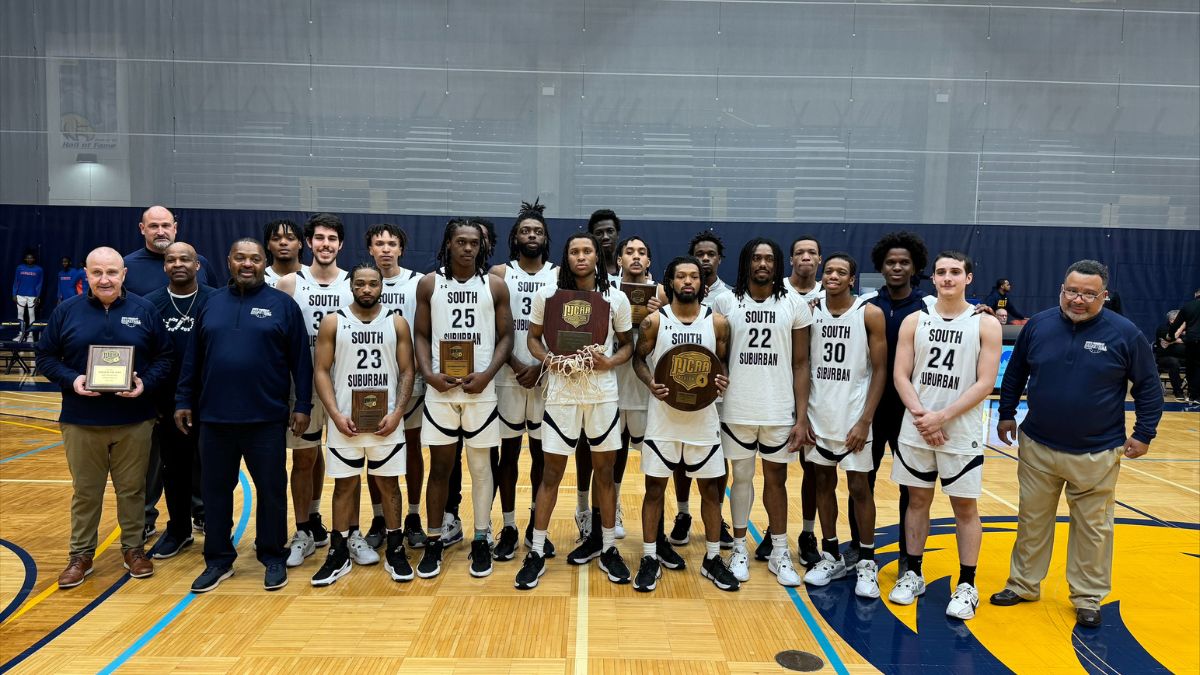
(574, 320)
(368, 408)
(109, 368)
(456, 358)
(690, 373)
(639, 297)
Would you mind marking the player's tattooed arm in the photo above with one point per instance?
(721, 328)
(647, 337)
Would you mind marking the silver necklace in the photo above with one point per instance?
(185, 321)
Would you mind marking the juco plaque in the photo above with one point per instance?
(690, 373)
(368, 408)
(639, 297)
(109, 368)
(574, 320)
(456, 358)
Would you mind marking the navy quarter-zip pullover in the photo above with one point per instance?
(246, 350)
(1078, 375)
(83, 321)
(145, 272)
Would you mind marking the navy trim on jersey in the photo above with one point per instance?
(376, 464)
(976, 461)
(352, 463)
(927, 476)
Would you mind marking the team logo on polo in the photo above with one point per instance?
(1095, 347)
(260, 312)
(577, 312)
(690, 370)
(110, 356)
(130, 321)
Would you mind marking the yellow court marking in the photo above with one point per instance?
(54, 586)
(31, 426)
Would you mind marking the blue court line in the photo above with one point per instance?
(27, 585)
(14, 458)
(813, 627)
(62, 628)
(26, 407)
(153, 631)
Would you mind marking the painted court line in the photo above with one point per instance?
(30, 452)
(31, 426)
(153, 631)
(54, 586)
(581, 622)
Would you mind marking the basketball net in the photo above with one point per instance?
(577, 376)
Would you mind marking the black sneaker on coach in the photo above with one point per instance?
(531, 570)
(395, 559)
(763, 552)
(726, 536)
(715, 570)
(681, 530)
(168, 546)
(431, 563)
(481, 558)
(806, 547)
(275, 577)
(667, 555)
(337, 562)
(614, 565)
(376, 534)
(506, 545)
(414, 532)
(210, 578)
(317, 529)
(648, 574)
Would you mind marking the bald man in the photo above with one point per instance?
(179, 302)
(105, 433)
(145, 265)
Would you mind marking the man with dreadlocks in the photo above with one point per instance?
(461, 302)
(520, 400)
(708, 248)
(580, 404)
(768, 353)
(681, 440)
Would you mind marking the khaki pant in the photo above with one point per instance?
(92, 454)
(1090, 481)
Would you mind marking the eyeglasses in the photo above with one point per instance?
(1087, 296)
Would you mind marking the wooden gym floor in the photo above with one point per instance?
(576, 621)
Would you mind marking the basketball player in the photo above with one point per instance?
(386, 244)
(320, 289)
(708, 248)
(605, 226)
(461, 302)
(678, 440)
(769, 353)
(849, 355)
(580, 406)
(946, 362)
(806, 263)
(284, 243)
(364, 349)
(520, 399)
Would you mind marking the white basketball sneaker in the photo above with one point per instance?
(739, 563)
(826, 570)
(963, 602)
(360, 551)
(908, 588)
(780, 564)
(867, 585)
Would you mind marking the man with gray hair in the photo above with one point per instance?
(1078, 360)
(105, 433)
(145, 265)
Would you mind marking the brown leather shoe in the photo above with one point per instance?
(78, 567)
(138, 564)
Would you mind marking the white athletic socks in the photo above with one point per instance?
(649, 550)
(583, 501)
(739, 543)
(510, 519)
(683, 507)
(712, 549)
(809, 525)
(779, 544)
(539, 542)
(377, 509)
(414, 509)
(608, 537)
(315, 506)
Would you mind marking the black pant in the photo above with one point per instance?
(222, 448)
(885, 429)
(1172, 366)
(155, 480)
(454, 493)
(1193, 368)
(178, 454)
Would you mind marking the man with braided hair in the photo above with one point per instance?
(461, 302)
(580, 404)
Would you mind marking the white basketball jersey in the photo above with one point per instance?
(364, 358)
(715, 291)
(463, 310)
(522, 286)
(633, 394)
(603, 388)
(814, 293)
(840, 359)
(316, 300)
(760, 358)
(271, 277)
(664, 423)
(945, 361)
(400, 294)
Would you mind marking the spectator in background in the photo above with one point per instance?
(1002, 316)
(998, 299)
(1113, 302)
(1189, 316)
(27, 294)
(145, 265)
(70, 281)
(1170, 354)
